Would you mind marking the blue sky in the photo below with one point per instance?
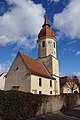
(21, 21)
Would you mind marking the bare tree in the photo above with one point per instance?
(73, 83)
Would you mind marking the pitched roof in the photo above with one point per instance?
(35, 67)
(64, 79)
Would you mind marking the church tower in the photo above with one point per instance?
(47, 52)
(46, 41)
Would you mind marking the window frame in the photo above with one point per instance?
(40, 82)
(50, 92)
(40, 92)
(43, 44)
(50, 83)
(54, 45)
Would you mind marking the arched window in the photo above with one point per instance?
(43, 44)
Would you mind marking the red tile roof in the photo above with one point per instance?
(35, 67)
(64, 79)
(46, 31)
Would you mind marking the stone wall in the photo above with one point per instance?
(16, 105)
(56, 103)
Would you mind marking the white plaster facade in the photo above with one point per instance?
(45, 85)
(67, 89)
(18, 78)
(47, 55)
(50, 48)
(2, 82)
(22, 80)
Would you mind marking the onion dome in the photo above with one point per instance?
(46, 31)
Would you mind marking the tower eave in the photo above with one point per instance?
(41, 38)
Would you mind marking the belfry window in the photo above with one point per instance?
(43, 44)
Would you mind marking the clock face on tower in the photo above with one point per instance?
(49, 42)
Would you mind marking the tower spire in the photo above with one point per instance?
(46, 31)
(46, 22)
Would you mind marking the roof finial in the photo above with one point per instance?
(46, 22)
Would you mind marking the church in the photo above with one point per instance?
(38, 76)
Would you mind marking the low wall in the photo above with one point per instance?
(16, 105)
(56, 103)
(50, 104)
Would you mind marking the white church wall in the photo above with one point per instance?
(50, 50)
(2, 82)
(17, 75)
(45, 86)
(66, 89)
(55, 67)
(57, 85)
(51, 64)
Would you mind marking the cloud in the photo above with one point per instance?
(77, 74)
(53, 0)
(2, 68)
(71, 42)
(5, 67)
(22, 24)
(78, 53)
(68, 21)
(65, 49)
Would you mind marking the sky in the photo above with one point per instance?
(21, 21)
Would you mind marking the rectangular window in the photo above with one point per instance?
(43, 44)
(51, 92)
(40, 82)
(40, 92)
(54, 44)
(50, 83)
